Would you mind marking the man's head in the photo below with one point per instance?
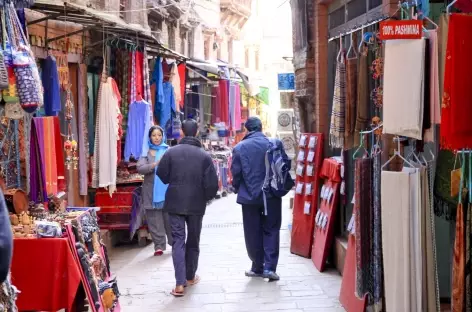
(253, 124)
(190, 128)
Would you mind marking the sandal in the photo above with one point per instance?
(178, 291)
(195, 281)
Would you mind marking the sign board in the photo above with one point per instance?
(407, 29)
(286, 81)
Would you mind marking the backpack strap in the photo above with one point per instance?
(272, 143)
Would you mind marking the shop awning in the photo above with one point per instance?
(92, 19)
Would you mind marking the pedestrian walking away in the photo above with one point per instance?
(251, 168)
(192, 180)
(154, 190)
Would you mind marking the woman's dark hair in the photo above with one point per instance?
(155, 128)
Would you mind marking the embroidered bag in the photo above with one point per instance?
(25, 69)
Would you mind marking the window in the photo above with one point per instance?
(246, 58)
(257, 60)
(171, 34)
(123, 4)
(300, 24)
(206, 47)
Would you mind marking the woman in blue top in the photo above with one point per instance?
(154, 191)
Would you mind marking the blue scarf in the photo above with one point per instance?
(159, 192)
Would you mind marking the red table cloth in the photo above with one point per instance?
(46, 273)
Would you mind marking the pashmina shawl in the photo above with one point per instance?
(336, 130)
(351, 100)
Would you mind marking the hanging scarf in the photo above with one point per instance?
(338, 113)
(351, 99)
(458, 264)
(363, 208)
(83, 131)
(362, 108)
(158, 79)
(38, 192)
(377, 261)
(159, 193)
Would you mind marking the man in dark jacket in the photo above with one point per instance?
(6, 240)
(192, 180)
(261, 230)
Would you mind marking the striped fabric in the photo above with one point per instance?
(337, 128)
(124, 90)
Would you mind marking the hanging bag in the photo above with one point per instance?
(24, 66)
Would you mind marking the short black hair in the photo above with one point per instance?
(151, 130)
(190, 127)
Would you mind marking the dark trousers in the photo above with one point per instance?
(185, 250)
(262, 234)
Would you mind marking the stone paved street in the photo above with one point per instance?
(145, 281)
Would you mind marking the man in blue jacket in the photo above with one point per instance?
(261, 230)
(6, 240)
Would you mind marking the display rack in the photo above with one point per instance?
(306, 192)
(324, 220)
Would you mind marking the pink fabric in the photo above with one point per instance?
(237, 109)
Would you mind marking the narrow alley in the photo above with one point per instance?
(145, 281)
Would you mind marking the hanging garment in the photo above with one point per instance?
(458, 264)
(443, 32)
(83, 131)
(465, 6)
(395, 202)
(137, 134)
(338, 113)
(444, 204)
(168, 106)
(174, 79)
(107, 136)
(124, 90)
(224, 102)
(427, 124)
(116, 92)
(139, 63)
(377, 261)
(52, 93)
(60, 161)
(182, 68)
(237, 109)
(38, 193)
(50, 159)
(351, 99)
(363, 225)
(158, 80)
(434, 100)
(456, 128)
(363, 97)
(147, 81)
(404, 88)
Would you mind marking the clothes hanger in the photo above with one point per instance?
(448, 8)
(361, 146)
(351, 49)
(338, 58)
(396, 153)
(361, 41)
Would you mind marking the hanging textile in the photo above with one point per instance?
(50, 159)
(116, 92)
(139, 83)
(363, 224)
(427, 88)
(83, 131)
(182, 69)
(137, 134)
(351, 99)
(215, 104)
(338, 113)
(52, 93)
(456, 128)
(377, 261)
(224, 102)
(404, 88)
(168, 107)
(174, 79)
(458, 264)
(107, 136)
(158, 80)
(38, 192)
(237, 108)
(434, 100)
(443, 32)
(396, 235)
(444, 204)
(60, 162)
(363, 97)
(125, 90)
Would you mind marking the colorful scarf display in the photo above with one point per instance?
(38, 193)
(363, 97)
(338, 113)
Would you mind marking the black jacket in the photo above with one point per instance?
(191, 176)
(6, 240)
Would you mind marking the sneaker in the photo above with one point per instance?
(251, 273)
(158, 252)
(271, 276)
